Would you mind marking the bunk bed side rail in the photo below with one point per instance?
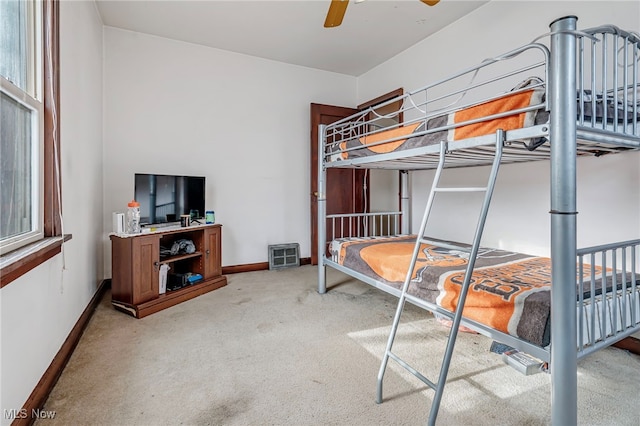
(608, 313)
(607, 96)
(515, 72)
(364, 225)
(609, 80)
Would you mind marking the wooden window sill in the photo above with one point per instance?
(17, 263)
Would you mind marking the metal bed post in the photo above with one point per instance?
(405, 202)
(562, 133)
(322, 212)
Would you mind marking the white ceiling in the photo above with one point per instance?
(291, 31)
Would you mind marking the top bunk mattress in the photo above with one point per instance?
(522, 110)
(507, 112)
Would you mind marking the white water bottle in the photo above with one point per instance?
(133, 217)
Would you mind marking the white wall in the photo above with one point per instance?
(242, 122)
(608, 194)
(40, 308)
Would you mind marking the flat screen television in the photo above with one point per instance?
(163, 198)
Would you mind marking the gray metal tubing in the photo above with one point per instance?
(444, 369)
(322, 211)
(604, 247)
(593, 291)
(604, 316)
(581, 303)
(625, 78)
(513, 53)
(361, 215)
(612, 29)
(604, 80)
(614, 278)
(615, 85)
(593, 82)
(447, 127)
(620, 314)
(405, 286)
(562, 132)
(623, 307)
(461, 189)
(373, 220)
(608, 137)
(635, 301)
(636, 59)
(412, 370)
(405, 201)
(616, 310)
(581, 84)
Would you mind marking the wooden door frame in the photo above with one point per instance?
(317, 111)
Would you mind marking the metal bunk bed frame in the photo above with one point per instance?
(570, 138)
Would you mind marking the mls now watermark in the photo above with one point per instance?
(23, 413)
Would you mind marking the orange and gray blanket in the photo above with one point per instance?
(509, 292)
(403, 137)
(484, 119)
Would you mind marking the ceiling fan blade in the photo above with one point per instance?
(336, 12)
(430, 2)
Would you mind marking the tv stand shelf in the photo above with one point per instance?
(136, 265)
(170, 259)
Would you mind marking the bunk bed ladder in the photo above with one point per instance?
(473, 252)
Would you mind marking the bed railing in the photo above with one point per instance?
(358, 225)
(606, 316)
(469, 87)
(607, 95)
(608, 74)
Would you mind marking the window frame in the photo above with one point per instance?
(36, 108)
(17, 263)
(30, 97)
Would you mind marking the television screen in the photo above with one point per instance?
(163, 198)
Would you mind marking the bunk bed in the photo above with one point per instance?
(518, 107)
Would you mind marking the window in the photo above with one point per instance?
(29, 135)
(21, 126)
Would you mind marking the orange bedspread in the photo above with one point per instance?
(383, 141)
(509, 292)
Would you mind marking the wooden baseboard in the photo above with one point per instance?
(170, 298)
(260, 266)
(631, 344)
(247, 267)
(41, 392)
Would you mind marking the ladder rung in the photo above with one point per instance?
(446, 245)
(412, 370)
(461, 189)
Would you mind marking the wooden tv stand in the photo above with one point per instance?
(136, 261)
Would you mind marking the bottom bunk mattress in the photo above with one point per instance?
(509, 292)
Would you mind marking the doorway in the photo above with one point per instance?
(345, 193)
(345, 188)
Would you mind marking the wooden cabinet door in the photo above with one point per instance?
(213, 252)
(145, 268)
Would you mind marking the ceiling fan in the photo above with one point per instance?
(337, 9)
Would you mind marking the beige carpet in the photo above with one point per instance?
(269, 350)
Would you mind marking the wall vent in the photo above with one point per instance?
(284, 255)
